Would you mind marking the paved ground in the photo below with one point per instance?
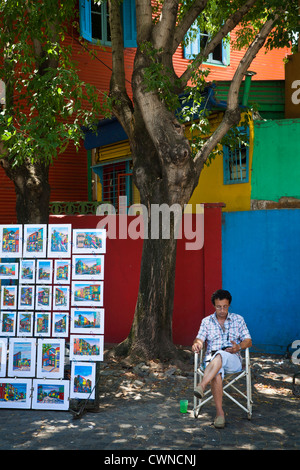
(139, 410)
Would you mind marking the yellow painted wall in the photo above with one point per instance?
(211, 189)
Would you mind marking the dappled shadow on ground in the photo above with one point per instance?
(138, 409)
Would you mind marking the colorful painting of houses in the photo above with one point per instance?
(11, 240)
(35, 240)
(13, 392)
(50, 393)
(88, 266)
(22, 357)
(50, 357)
(86, 346)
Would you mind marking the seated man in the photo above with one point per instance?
(225, 334)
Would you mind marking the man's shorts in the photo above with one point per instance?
(231, 363)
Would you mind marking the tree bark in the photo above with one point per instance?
(32, 190)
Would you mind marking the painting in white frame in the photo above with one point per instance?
(59, 240)
(8, 297)
(42, 324)
(8, 323)
(61, 297)
(22, 357)
(85, 321)
(49, 394)
(15, 393)
(87, 294)
(3, 356)
(27, 271)
(35, 241)
(83, 379)
(60, 324)
(51, 358)
(86, 347)
(62, 271)
(88, 267)
(9, 270)
(26, 297)
(11, 238)
(25, 323)
(43, 297)
(44, 271)
(89, 241)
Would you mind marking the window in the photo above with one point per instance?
(94, 22)
(236, 162)
(116, 180)
(219, 56)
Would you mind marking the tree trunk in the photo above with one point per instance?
(151, 331)
(32, 190)
(165, 180)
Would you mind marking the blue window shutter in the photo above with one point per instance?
(85, 19)
(193, 48)
(129, 23)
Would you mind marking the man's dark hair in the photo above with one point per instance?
(221, 294)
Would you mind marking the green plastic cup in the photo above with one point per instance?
(184, 406)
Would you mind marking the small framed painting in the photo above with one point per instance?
(62, 271)
(60, 324)
(89, 241)
(61, 297)
(25, 323)
(22, 356)
(87, 321)
(59, 240)
(3, 357)
(43, 297)
(89, 267)
(11, 241)
(26, 297)
(9, 270)
(50, 394)
(86, 348)
(42, 324)
(83, 379)
(15, 393)
(8, 298)
(87, 294)
(27, 271)
(35, 241)
(51, 358)
(44, 271)
(8, 323)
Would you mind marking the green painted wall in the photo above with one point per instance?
(276, 160)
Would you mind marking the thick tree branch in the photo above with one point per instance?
(187, 21)
(143, 20)
(232, 113)
(121, 103)
(228, 26)
(163, 31)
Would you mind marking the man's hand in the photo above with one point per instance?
(197, 345)
(234, 348)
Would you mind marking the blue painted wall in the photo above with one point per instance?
(261, 268)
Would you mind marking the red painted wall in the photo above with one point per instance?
(198, 275)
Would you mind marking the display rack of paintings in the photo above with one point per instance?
(52, 286)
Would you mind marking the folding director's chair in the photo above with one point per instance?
(229, 382)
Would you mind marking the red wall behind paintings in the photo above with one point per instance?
(198, 275)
